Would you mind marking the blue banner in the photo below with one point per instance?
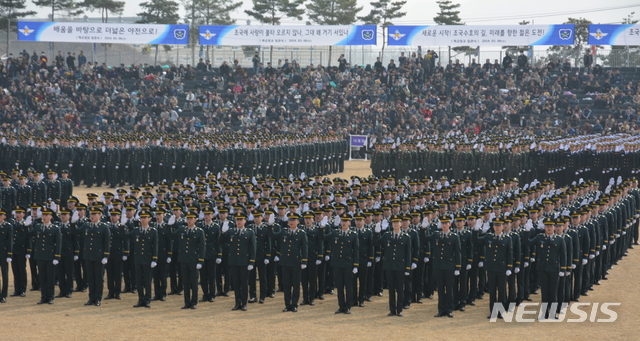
(239, 35)
(481, 35)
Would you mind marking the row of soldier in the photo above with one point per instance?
(356, 239)
(139, 159)
(591, 157)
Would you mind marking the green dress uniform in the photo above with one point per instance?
(145, 259)
(191, 251)
(344, 260)
(69, 250)
(263, 252)
(498, 260)
(21, 243)
(241, 254)
(165, 251)
(445, 251)
(213, 252)
(293, 253)
(6, 252)
(119, 248)
(366, 256)
(396, 262)
(47, 244)
(550, 253)
(97, 243)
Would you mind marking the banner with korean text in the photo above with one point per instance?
(237, 35)
(84, 32)
(624, 35)
(481, 35)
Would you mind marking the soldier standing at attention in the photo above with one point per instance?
(119, 253)
(396, 261)
(344, 259)
(47, 244)
(445, 251)
(241, 257)
(68, 255)
(23, 192)
(146, 257)
(191, 250)
(498, 262)
(97, 242)
(293, 258)
(21, 248)
(6, 253)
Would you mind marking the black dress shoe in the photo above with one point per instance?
(419, 300)
(225, 294)
(304, 303)
(3, 300)
(59, 295)
(117, 297)
(186, 307)
(391, 314)
(339, 311)
(368, 299)
(261, 301)
(194, 307)
(204, 300)
(406, 306)
(361, 305)
(379, 294)
(146, 305)
(97, 304)
(462, 308)
(237, 307)
(89, 303)
(14, 294)
(243, 308)
(42, 302)
(472, 303)
(347, 311)
(138, 305)
(34, 289)
(285, 310)
(170, 293)
(272, 296)
(400, 314)
(23, 294)
(312, 303)
(294, 309)
(605, 278)
(430, 296)
(438, 315)
(155, 299)
(597, 283)
(450, 315)
(321, 297)
(211, 299)
(136, 291)
(253, 300)
(108, 297)
(163, 298)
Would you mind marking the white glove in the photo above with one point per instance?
(336, 222)
(369, 264)
(271, 219)
(27, 222)
(612, 242)
(303, 266)
(480, 264)
(385, 225)
(117, 167)
(276, 259)
(456, 273)
(377, 259)
(597, 253)
(104, 261)
(75, 258)
(573, 266)
(70, 165)
(413, 266)
(153, 264)
(624, 232)
(324, 221)
(528, 226)
(183, 166)
(468, 267)
(566, 273)
(172, 220)
(249, 267)
(526, 264)
(532, 259)
(9, 260)
(75, 217)
(55, 262)
(94, 167)
(168, 260)
(407, 274)
(604, 247)
(617, 235)
(326, 258)
(142, 167)
(478, 225)
(561, 274)
(355, 271)
(266, 261)
(173, 167)
(318, 262)
(425, 222)
(516, 270)
(378, 228)
(218, 260)
(592, 256)
(127, 166)
(124, 258)
(27, 256)
(426, 259)
(225, 226)
(198, 266)
(508, 272)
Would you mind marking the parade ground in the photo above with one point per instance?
(69, 319)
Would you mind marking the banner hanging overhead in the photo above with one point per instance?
(83, 32)
(236, 35)
(624, 35)
(481, 35)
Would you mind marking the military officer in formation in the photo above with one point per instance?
(139, 158)
(146, 256)
(495, 157)
(505, 252)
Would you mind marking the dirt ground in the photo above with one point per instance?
(68, 319)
